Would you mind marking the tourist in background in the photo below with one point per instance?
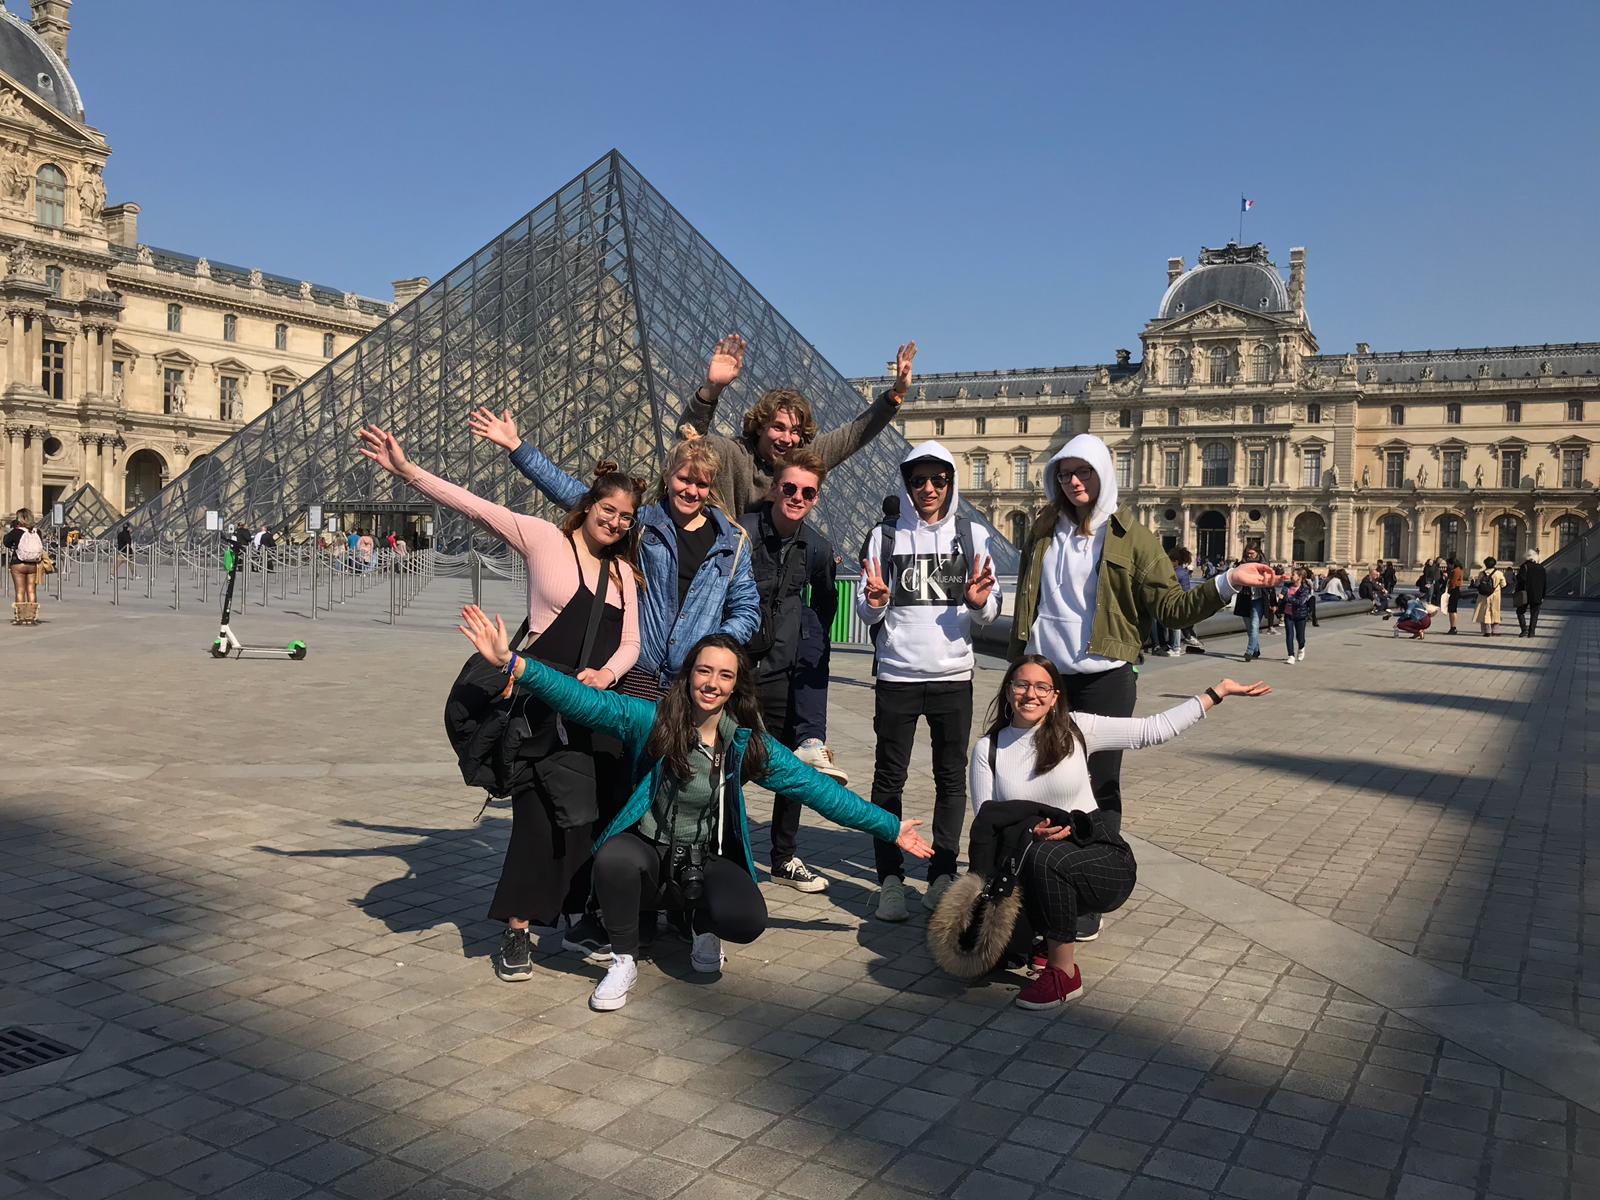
(1456, 579)
(1489, 584)
(1297, 600)
(1530, 592)
(1252, 604)
(26, 548)
(1416, 618)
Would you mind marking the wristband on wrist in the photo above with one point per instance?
(1212, 692)
(511, 665)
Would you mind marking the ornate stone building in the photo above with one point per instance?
(123, 365)
(1236, 430)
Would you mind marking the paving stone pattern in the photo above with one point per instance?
(252, 895)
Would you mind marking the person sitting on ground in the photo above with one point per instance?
(683, 832)
(1036, 749)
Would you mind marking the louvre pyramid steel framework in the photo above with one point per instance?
(591, 319)
(87, 509)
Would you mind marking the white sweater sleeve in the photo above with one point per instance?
(1135, 733)
(980, 779)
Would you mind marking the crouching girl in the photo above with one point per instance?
(682, 835)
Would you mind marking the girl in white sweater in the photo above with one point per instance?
(1036, 749)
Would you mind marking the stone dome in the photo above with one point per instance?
(1253, 285)
(26, 59)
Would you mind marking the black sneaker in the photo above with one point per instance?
(587, 937)
(1088, 926)
(797, 875)
(514, 963)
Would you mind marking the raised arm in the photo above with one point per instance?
(727, 360)
(556, 484)
(836, 445)
(787, 775)
(1137, 733)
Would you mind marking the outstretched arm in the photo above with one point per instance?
(1137, 733)
(788, 776)
(836, 445)
(550, 479)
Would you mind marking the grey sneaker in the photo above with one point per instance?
(937, 887)
(892, 899)
(818, 757)
(797, 875)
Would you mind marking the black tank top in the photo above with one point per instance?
(562, 639)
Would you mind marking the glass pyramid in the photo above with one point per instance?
(86, 509)
(591, 319)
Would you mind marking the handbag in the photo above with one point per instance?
(47, 564)
(1520, 598)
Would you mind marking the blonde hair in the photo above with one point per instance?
(25, 518)
(699, 456)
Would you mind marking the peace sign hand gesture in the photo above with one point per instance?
(981, 585)
(873, 587)
(727, 360)
(902, 369)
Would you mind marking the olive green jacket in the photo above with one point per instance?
(1137, 586)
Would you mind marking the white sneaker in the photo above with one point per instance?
(706, 954)
(1290, 660)
(892, 899)
(611, 993)
(1302, 655)
(818, 757)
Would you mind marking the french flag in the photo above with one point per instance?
(1246, 205)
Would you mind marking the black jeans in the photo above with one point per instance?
(1105, 694)
(776, 697)
(628, 872)
(947, 705)
(1528, 618)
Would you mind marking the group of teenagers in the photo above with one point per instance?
(677, 647)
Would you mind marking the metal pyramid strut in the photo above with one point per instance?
(591, 319)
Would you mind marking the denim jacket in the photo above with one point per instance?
(722, 597)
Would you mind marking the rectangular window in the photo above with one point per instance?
(1174, 416)
(1125, 418)
(1395, 469)
(1258, 468)
(279, 391)
(280, 337)
(1124, 469)
(174, 318)
(1022, 424)
(1019, 469)
(980, 472)
(1397, 414)
(172, 390)
(228, 396)
(980, 426)
(52, 280)
(1452, 414)
(1511, 466)
(327, 345)
(1450, 473)
(1313, 414)
(1311, 462)
(230, 327)
(1513, 412)
(1572, 467)
(938, 427)
(1258, 414)
(1172, 469)
(1574, 410)
(54, 379)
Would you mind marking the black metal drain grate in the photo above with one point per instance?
(22, 1048)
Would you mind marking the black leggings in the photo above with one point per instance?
(1062, 880)
(627, 877)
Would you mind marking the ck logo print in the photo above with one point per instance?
(929, 579)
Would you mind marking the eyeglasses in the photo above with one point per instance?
(794, 489)
(1084, 472)
(1022, 687)
(939, 482)
(607, 513)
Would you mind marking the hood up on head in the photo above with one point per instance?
(1094, 452)
(908, 510)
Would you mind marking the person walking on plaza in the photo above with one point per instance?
(683, 832)
(1253, 604)
(1489, 584)
(1033, 761)
(788, 557)
(125, 552)
(1175, 642)
(26, 548)
(586, 561)
(1298, 600)
(1530, 592)
(1092, 580)
(1455, 580)
(927, 579)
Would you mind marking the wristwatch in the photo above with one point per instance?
(1212, 692)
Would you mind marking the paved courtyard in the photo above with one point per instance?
(1363, 959)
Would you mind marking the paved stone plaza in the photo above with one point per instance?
(1363, 960)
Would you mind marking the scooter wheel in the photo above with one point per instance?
(297, 650)
(218, 650)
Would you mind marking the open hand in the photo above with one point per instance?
(902, 369)
(380, 446)
(912, 842)
(501, 430)
(981, 585)
(1046, 832)
(1253, 574)
(727, 360)
(873, 587)
(488, 637)
(1231, 687)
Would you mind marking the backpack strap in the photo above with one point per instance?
(994, 753)
(965, 541)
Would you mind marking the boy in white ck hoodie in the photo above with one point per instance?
(927, 588)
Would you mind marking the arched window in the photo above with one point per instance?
(1391, 531)
(1177, 367)
(1507, 539)
(1019, 528)
(1262, 364)
(280, 337)
(230, 327)
(1221, 361)
(1214, 465)
(1567, 530)
(50, 196)
(174, 318)
(1450, 540)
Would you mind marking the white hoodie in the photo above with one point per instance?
(927, 626)
(1070, 579)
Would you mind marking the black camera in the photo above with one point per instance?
(689, 872)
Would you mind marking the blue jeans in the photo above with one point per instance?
(1294, 628)
(1252, 624)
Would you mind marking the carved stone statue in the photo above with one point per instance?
(24, 262)
(1477, 476)
(1349, 367)
(1366, 476)
(117, 386)
(202, 269)
(1427, 373)
(1102, 377)
(91, 196)
(257, 280)
(1422, 476)
(146, 259)
(180, 396)
(11, 106)
(350, 300)
(14, 180)
(305, 289)
(1538, 476)
(1546, 370)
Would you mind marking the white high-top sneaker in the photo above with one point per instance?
(611, 993)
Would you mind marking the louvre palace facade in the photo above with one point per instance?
(1234, 429)
(124, 365)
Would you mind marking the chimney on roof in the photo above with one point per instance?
(51, 24)
(122, 224)
(407, 290)
(1124, 357)
(1174, 269)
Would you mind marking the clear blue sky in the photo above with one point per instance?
(1002, 182)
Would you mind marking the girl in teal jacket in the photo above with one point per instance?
(683, 833)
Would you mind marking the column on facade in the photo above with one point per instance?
(33, 463)
(13, 476)
(15, 348)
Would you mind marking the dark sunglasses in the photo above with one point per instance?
(794, 489)
(940, 482)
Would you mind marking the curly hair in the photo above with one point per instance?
(1057, 732)
(675, 734)
(774, 402)
(609, 480)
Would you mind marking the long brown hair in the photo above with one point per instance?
(676, 734)
(609, 480)
(1053, 737)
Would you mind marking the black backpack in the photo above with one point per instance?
(1485, 584)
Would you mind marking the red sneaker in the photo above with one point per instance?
(1053, 988)
(1037, 961)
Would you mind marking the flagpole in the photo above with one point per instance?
(1241, 218)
